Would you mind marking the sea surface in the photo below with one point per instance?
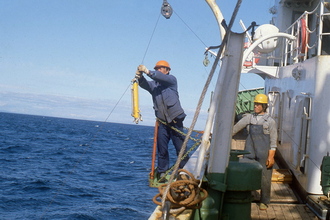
(55, 168)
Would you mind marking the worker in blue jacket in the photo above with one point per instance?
(164, 90)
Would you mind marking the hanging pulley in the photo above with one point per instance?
(206, 60)
(166, 9)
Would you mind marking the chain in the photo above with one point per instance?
(180, 132)
(197, 143)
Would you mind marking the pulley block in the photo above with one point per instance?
(166, 9)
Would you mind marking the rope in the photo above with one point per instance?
(190, 29)
(183, 193)
(200, 102)
(152, 35)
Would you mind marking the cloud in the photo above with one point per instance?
(80, 108)
(65, 107)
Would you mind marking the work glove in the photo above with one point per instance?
(138, 74)
(143, 68)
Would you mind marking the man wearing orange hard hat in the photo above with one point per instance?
(164, 91)
(261, 143)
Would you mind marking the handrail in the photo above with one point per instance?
(257, 42)
(291, 51)
(309, 40)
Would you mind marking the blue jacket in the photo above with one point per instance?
(165, 96)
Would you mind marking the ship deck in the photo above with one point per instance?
(278, 211)
(284, 203)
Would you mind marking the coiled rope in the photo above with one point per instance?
(184, 193)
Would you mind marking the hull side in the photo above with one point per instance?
(302, 113)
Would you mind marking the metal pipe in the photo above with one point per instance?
(260, 40)
(319, 45)
(154, 150)
(218, 15)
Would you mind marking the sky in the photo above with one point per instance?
(76, 58)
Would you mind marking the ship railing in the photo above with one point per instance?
(297, 50)
(312, 38)
(323, 47)
(309, 32)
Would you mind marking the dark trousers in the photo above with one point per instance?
(165, 134)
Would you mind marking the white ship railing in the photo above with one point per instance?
(293, 51)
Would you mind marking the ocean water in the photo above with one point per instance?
(54, 168)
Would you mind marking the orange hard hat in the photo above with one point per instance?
(162, 63)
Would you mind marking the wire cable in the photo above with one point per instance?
(152, 35)
(190, 29)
